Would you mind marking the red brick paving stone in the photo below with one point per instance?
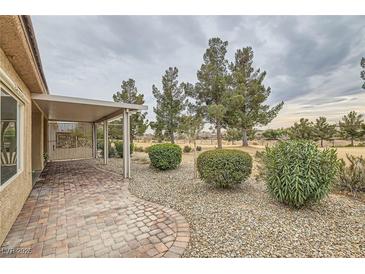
(78, 210)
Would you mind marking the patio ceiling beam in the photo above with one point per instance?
(113, 115)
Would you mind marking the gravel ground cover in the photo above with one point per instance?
(246, 221)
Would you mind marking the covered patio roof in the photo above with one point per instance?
(72, 109)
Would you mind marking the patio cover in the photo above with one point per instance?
(71, 109)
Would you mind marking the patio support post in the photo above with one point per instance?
(126, 144)
(95, 141)
(106, 142)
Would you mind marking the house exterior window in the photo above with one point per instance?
(9, 136)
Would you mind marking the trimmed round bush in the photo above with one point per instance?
(187, 149)
(198, 148)
(224, 167)
(298, 172)
(165, 156)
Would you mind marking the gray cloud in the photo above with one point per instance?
(310, 60)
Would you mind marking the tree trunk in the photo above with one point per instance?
(172, 138)
(244, 138)
(321, 142)
(195, 162)
(219, 136)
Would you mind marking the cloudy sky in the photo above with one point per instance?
(312, 62)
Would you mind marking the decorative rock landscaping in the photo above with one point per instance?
(246, 222)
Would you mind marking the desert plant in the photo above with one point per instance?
(198, 148)
(224, 167)
(119, 148)
(187, 149)
(165, 156)
(352, 177)
(297, 172)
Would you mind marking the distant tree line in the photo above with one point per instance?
(351, 127)
(230, 96)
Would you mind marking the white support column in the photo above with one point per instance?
(126, 145)
(106, 142)
(95, 141)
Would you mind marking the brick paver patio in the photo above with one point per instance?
(81, 211)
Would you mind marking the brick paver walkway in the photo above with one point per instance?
(81, 211)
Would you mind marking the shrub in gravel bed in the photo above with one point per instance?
(165, 156)
(352, 177)
(198, 148)
(297, 172)
(187, 149)
(224, 167)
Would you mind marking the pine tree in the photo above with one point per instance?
(170, 104)
(248, 94)
(362, 73)
(212, 85)
(273, 134)
(301, 130)
(323, 130)
(232, 135)
(129, 94)
(351, 126)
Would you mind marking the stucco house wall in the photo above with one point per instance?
(21, 74)
(14, 193)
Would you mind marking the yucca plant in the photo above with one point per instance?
(297, 172)
(352, 176)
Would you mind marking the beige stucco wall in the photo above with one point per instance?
(14, 194)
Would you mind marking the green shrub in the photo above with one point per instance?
(198, 148)
(224, 167)
(112, 152)
(352, 177)
(297, 172)
(187, 149)
(119, 148)
(165, 156)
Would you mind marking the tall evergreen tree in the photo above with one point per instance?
(301, 130)
(129, 94)
(232, 135)
(351, 126)
(323, 130)
(248, 95)
(212, 85)
(362, 73)
(170, 104)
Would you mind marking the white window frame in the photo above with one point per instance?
(20, 134)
